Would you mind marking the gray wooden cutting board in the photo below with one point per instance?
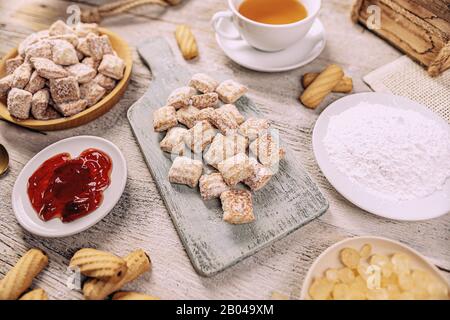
(289, 201)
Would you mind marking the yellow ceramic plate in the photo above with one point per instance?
(101, 107)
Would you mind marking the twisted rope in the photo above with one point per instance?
(96, 14)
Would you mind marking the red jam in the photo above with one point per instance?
(68, 188)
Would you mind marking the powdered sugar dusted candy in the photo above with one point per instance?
(207, 100)
(268, 151)
(92, 92)
(48, 69)
(173, 142)
(19, 103)
(224, 121)
(224, 147)
(71, 108)
(164, 118)
(91, 62)
(237, 206)
(187, 116)
(40, 108)
(21, 76)
(5, 85)
(204, 114)
(212, 186)
(83, 29)
(235, 169)
(59, 28)
(230, 91)
(254, 127)
(36, 83)
(185, 171)
(259, 177)
(63, 53)
(233, 110)
(394, 153)
(64, 89)
(181, 97)
(40, 49)
(112, 66)
(200, 136)
(82, 72)
(203, 83)
(13, 63)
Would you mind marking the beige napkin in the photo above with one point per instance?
(406, 78)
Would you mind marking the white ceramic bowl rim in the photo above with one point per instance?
(311, 15)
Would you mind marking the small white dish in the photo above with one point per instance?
(27, 216)
(330, 258)
(430, 207)
(297, 55)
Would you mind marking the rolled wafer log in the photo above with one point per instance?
(132, 296)
(322, 86)
(37, 294)
(137, 262)
(20, 277)
(344, 86)
(99, 264)
(186, 42)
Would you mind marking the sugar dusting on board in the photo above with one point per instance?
(397, 154)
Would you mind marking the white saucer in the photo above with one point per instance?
(430, 207)
(299, 54)
(330, 258)
(27, 216)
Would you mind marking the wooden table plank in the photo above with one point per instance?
(140, 219)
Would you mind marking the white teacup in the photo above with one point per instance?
(262, 36)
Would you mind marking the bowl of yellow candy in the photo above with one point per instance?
(373, 268)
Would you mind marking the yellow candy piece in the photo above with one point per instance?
(320, 289)
(350, 257)
(346, 275)
(401, 263)
(365, 251)
(332, 275)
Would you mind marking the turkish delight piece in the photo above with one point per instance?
(187, 116)
(40, 49)
(91, 62)
(106, 82)
(224, 147)
(40, 107)
(13, 63)
(106, 45)
(92, 92)
(207, 100)
(71, 108)
(235, 169)
(185, 171)
(19, 103)
(63, 53)
(237, 206)
(261, 175)
(268, 151)
(83, 29)
(231, 108)
(203, 83)
(36, 83)
(82, 72)
(5, 85)
(83, 47)
(64, 89)
(212, 186)
(204, 114)
(59, 28)
(22, 75)
(199, 136)
(112, 66)
(224, 121)
(71, 38)
(164, 118)
(181, 97)
(173, 142)
(48, 69)
(254, 127)
(230, 91)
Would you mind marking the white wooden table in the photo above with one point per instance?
(140, 218)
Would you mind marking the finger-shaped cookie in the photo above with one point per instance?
(99, 264)
(137, 261)
(37, 294)
(186, 42)
(132, 296)
(344, 86)
(322, 86)
(20, 277)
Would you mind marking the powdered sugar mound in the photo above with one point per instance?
(394, 153)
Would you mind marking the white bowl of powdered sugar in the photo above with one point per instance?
(386, 154)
